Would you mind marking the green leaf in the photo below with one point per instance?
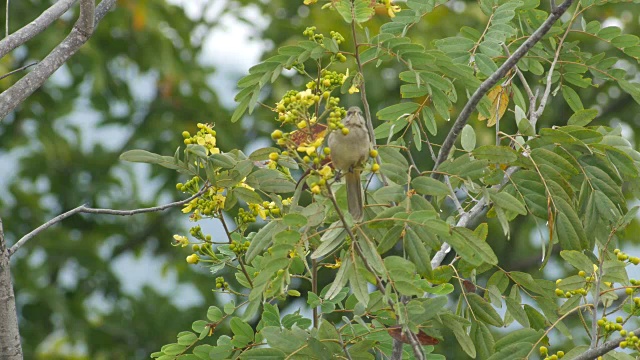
(396, 111)
(464, 166)
(358, 10)
(536, 319)
(614, 271)
(295, 220)
(546, 157)
(391, 193)
(239, 327)
(509, 202)
(468, 138)
(572, 98)
(609, 32)
(358, 284)
(483, 310)
(471, 248)
(240, 110)
(525, 335)
(578, 260)
(330, 240)
(513, 351)
(429, 120)
(262, 240)
(340, 280)
(458, 325)
(263, 154)
(425, 185)
(496, 154)
(263, 354)
(571, 283)
(269, 180)
(516, 310)
(214, 314)
(571, 234)
(417, 252)
(582, 117)
(247, 195)
(485, 64)
(144, 156)
(483, 339)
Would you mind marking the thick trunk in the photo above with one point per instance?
(10, 347)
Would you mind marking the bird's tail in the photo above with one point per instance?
(354, 195)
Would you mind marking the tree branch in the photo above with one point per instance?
(88, 210)
(81, 32)
(10, 346)
(463, 117)
(469, 216)
(35, 27)
(602, 349)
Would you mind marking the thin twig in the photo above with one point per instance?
(84, 209)
(17, 70)
(470, 106)
(226, 230)
(523, 80)
(547, 90)
(453, 195)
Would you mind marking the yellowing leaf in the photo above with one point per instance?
(499, 98)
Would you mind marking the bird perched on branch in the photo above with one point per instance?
(349, 151)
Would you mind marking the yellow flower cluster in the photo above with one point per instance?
(206, 137)
(207, 204)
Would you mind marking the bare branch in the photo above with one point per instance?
(35, 27)
(88, 210)
(469, 216)
(603, 349)
(523, 80)
(463, 117)
(453, 196)
(545, 96)
(10, 347)
(80, 33)
(18, 70)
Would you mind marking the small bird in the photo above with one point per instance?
(348, 153)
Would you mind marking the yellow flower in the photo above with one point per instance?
(307, 149)
(193, 259)
(187, 209)
(391, 9)
(256, 209)
(325, 171)
(210, 139)
(310, 2)
(286, 202)
(181, 240)
(345, 76)
(353, 89)
(334, 266)
(244, 185)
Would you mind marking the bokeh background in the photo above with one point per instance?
(104, 287)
